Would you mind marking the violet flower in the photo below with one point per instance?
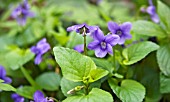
(41, 48)
(79, 48)
(22, 12)
(3, 75)
(39, 97)
(17, 98)
(151, 10)
(123, 31)
(103, 44)
(82, 29)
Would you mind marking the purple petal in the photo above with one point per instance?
(7, 80)
(34, 50)
(75, 28)
(109, 49)
(92, 28)
(100, 53)
(151, 10)
(150, 2)
(30, 14)
(17, 98)
(113, 27)
(143, 9)
(38, 96)
(25, 4)
(42, 41)
(98, 35)
(43, 46)
(2, 71)
(155, 18)
(93, 45)
(38, 59)
(122, 40)
(112, 39)
(127, 36)
(21, 21)
(79, 48)
(126, 27)
(16, 12)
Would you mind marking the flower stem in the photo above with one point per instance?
(28, 77)
(114, 58)
(84, 35)
(85, 49)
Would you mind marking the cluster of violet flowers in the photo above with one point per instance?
(151, 10)
(22, 12)
(102, 44)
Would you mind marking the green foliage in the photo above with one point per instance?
(95, 95)
(164, 84)
(16, 57)
(26, 91)
(6, 87)
(148, 28)
(103, 64)
(67, 85)
(128, 91)
(138, 51)
(75, 66)
(163, 55)
(164, 14)
(49, 81)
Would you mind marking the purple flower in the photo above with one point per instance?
(123, 31)
(82, 28)
(17, 98)
(151, 10)
(103, 44)
(39, 97)
(22, 12)
(79, 48)
(3, 75)
(41, 48)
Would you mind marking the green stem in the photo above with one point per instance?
(85, 49)
(28, 77)
(114, 59)
(87, 89)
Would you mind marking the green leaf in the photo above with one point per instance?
(49, 81)
(104, 64)
(60, 36)
(164, 84)
(129, 91)
(163, 55)
(97, 74)
(74, 66)
(148, 28)
(67, 85)
(26, 91)
(164, 14)
(18, 57)
(6, 87)
(138, 51)
(95, 95)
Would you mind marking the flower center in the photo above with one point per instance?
(103, 45)
(84, 30)
(119, 32)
